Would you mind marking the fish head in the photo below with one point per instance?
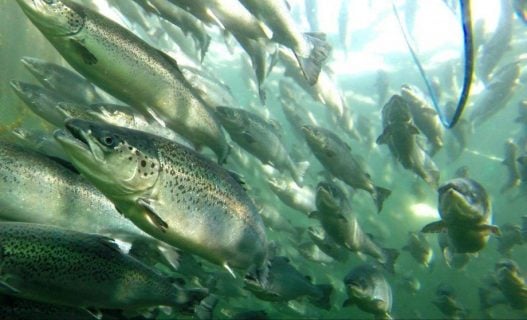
(507, 264)
(396, 110)
(54, 17)
(463, 200)
(329, 197)
(230, 117)
(120, 162)
(42, 70)
(314, 136)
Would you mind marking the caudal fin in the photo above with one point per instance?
(312, 65)
(324, 300)
(390, 255)
(379, 196)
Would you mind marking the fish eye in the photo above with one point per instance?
(108, 141)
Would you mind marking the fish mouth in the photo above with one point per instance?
(75, 140)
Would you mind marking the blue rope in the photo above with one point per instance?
(466, 22)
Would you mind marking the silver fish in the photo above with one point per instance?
(170, 192)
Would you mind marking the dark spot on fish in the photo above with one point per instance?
(143, 163)
(130, 158)
(152, 165)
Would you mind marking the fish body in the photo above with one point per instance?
(260, 138)
(368, 289)
(400, 134)
(511, 154)
(119, 62)
(498, 92)
(419, 248)
(511, 235)
(447, 303)
(343, 227)
(54, 265)
(326, 243)
(335, 155)
(170, 192)
(511, 283)
(30, 180)
(299, 198)
(465, 210)
(287, 283)
(425, 117)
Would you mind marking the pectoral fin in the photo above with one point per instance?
(434, 227)
(86, 55)
(151, 214)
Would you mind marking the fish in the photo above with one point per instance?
(335, 155)
(498, 92)
(260, 138)
(170, 192)
(424, 116)
(510, 282)
(257, 52)
(41, 142)
(324, 91)
(466, 213)
(446, 302)
(311, 50)
(511, 235)
(342, 226)
(64, 81)
(511, 154)
(491, 51)
(35, 257)
(410, 283)
(419, 248)
(368, 289)
(182, 19)
(400, 134)
(382, 84)
(119, 62)
(287, 283)
(118, 115)
(312, 252)
(301, 199)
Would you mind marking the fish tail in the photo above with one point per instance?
(312, 65)
(390, 255)
(324, 300)
(379, 195)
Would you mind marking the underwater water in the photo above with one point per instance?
(368, 62)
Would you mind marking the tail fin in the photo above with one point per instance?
(312, 65)
(379, 196)
(298, 171)
(390, 256)
(324, 302)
